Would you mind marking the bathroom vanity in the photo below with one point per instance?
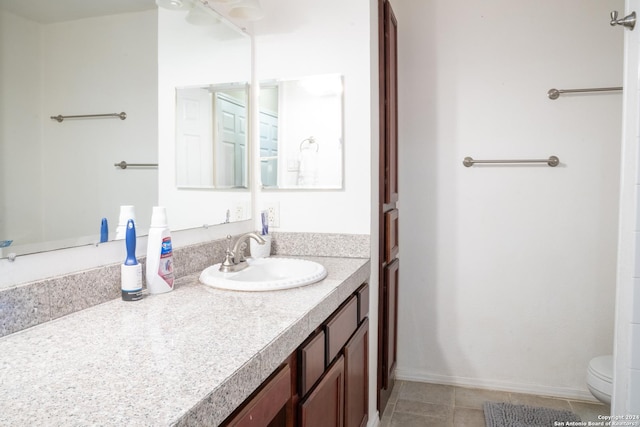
(324, 382)
(192, 356)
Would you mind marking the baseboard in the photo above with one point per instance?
(560, 392)
(375, 422)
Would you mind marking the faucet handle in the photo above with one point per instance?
(628, 21)
(239, 256)
(227, 265)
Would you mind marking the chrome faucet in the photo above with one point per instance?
(234, 259)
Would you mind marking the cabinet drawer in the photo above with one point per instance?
(340, 327)
(363, 302)
(311, 362)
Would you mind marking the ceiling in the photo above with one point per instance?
(49, 11)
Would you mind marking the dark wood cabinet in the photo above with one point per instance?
(356, 384)
(390, 315)
(324, 406)
(324, 383)
(312, 361)
(389, 191)
(269, 406)
(340, 326)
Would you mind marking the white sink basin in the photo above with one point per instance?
(265, 274)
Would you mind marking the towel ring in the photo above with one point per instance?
(311, 140)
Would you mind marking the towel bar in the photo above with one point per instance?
(552, 161)
(59, 118)
(124, 165)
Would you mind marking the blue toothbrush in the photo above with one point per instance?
(104, 231)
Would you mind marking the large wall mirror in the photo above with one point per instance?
(203, 95)
(60, 178)
(301, 133)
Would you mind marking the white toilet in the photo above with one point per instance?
(600, 378)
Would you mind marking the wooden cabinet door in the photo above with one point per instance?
(356, 385)
(268, 407)
(388, 192)
(324, 407)
(390, 144)
(390, 309)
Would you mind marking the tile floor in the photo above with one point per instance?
(415, 404)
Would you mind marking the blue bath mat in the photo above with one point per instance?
(501, 414)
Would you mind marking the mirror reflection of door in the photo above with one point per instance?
(269, 149)
(194, 151)
(231, 146)
(211, 137)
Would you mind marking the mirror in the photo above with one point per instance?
(211, 136)
(301, 133)
(203, 99)
(59, 179)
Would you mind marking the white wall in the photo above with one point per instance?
(508, 273)
(305, 38)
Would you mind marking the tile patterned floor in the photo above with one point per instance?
(414, 404)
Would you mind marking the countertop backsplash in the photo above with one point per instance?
(30, 304)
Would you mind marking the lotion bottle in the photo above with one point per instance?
(159, 272)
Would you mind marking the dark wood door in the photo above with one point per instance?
(324, 407)
(390, 314)
(356, 385)
(389, 192)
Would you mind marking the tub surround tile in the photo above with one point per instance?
(634, 391)
(187, 357)
(635, 345)
(635, 316)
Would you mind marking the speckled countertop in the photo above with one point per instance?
(188, 357)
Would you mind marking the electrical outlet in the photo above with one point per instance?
(239, 212)
(273, 212)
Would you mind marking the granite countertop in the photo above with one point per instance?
(187, 357)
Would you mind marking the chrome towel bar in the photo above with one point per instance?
(555, 93)
(60, 117)
(124, 165)
(552, 161)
